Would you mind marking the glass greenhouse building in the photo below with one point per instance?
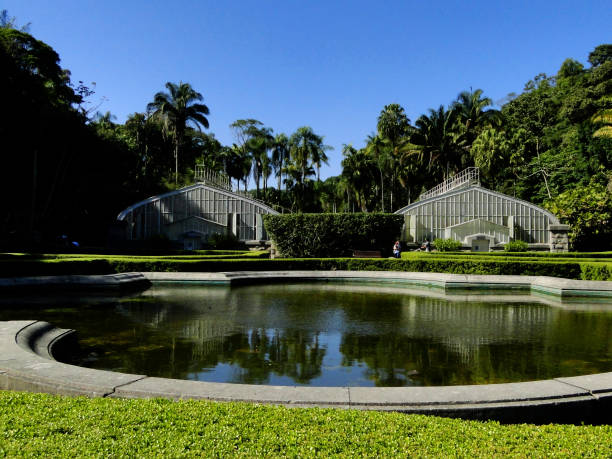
(482, 219)
(192, 214)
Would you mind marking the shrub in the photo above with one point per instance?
(596, 271)
(158, 242)
(332, 235)
(447, 245)
(516, 246)
(223, 241)
(588, 211)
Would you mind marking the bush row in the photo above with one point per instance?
(553, 255)
(447, 245)
(332, 235)
(506, 256)
(570, 270)
(599, 271)
(239, 255)
(516, 246)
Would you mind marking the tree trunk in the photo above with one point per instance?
(542, 169)
(382, 192)
(34, 181)
(177, 141)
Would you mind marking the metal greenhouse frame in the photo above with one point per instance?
(461, 209)
(197, 212)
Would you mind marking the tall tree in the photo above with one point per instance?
(357, 170)
(382, 154)
(237, 166)
(319, 157)
(244, 130)
(260, 141)
(39, 125)
(535, 111)
(8, 22)
(179, 108)
(436, 140)
(601, 54)
(280, 156)
(394, 128)
(472, 117)
(393, 124)
(307, 148)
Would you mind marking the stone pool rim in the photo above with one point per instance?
(27, 347)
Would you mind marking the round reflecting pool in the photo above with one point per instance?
(329, 334)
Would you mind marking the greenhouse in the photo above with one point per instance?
(461, 209)
(192, 214)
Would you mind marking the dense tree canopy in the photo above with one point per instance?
(543, 146)
(551, 145)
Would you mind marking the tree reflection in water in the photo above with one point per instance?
(330, 334)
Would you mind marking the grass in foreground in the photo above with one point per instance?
(45, 425)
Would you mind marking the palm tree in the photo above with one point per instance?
(394, 129)
(603, 118)
(307, 147)
(357, 168)
(393, 124)
(178, 108)
(319, 157)
(381, 152)
(258, 145)
(280, 156)
(294, 183)
(472, 116)
(436, 139)
(234, 163)
(105, 120)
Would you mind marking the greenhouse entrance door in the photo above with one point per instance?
(480, 245)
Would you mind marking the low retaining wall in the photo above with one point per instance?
(554, 286)
(97, 283)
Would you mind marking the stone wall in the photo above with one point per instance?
(559, 241)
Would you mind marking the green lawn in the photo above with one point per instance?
(53, 426)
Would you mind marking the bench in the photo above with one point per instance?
(367, 254)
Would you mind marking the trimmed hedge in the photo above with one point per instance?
(17, 265)
(599, 271)
(516, 246)
(467, 253)
(447, 245)
(24, 268)
(42, 425)
(569, 269)
(332, 235)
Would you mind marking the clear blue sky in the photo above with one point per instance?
(331, 65)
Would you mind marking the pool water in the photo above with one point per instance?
(327, 334)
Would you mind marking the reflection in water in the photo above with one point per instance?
(331, 335)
